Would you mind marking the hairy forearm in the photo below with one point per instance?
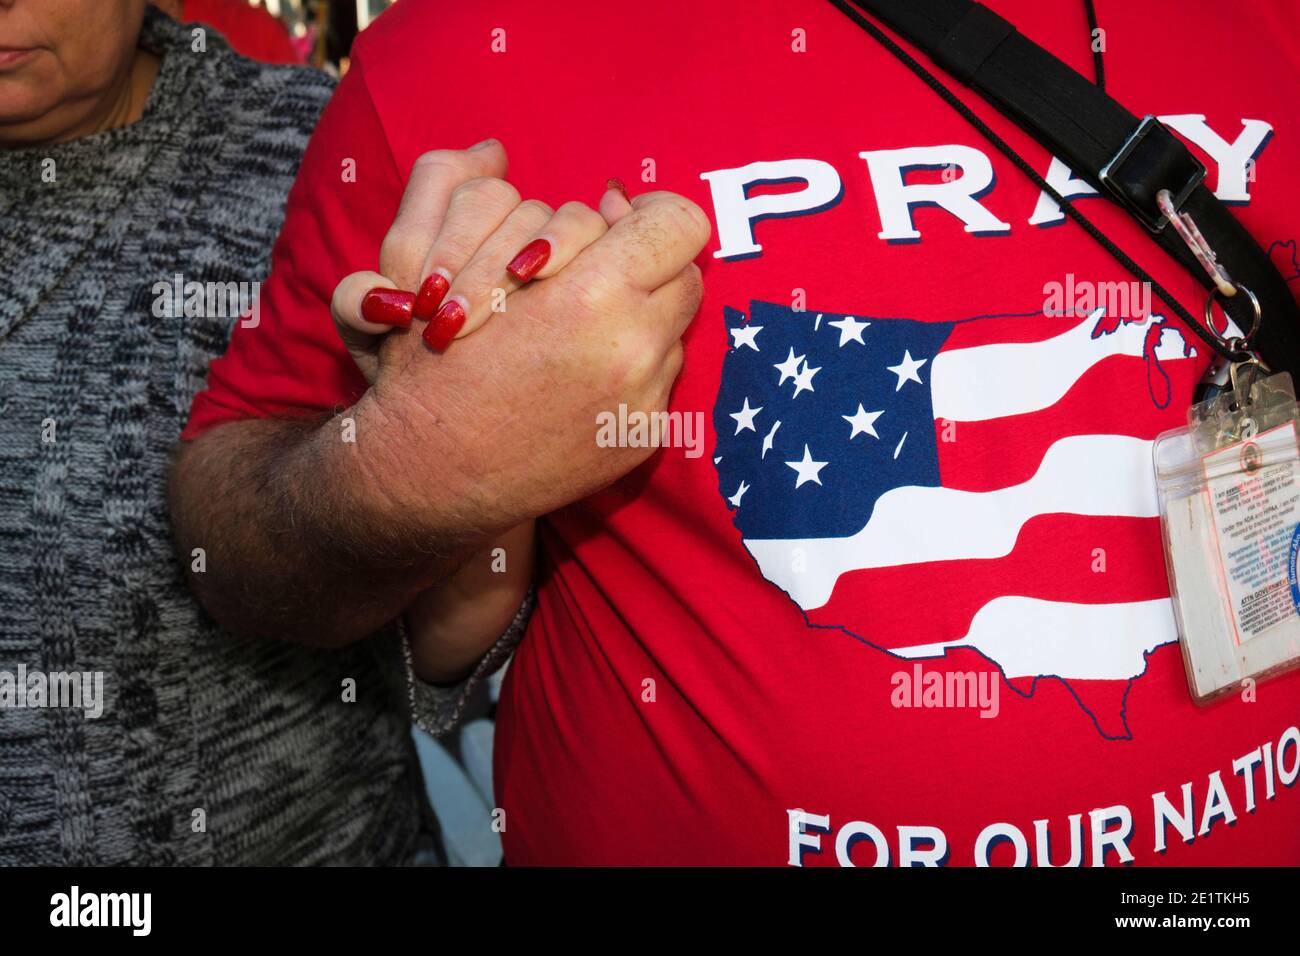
(286, 531)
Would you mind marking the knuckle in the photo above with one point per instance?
(684, 218)
(487, 191)
(536, 209)
(452, 160)
(580, 213)
(455, 250)
(400, 252)
(651, 197)
(649, 236)
(593, 290)
(634, 359)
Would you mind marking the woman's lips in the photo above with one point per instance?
(10, 56)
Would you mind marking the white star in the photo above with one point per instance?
(740, 493)
(850, 330)
(862, 421)
(803, 381)
(807, 469)
(745, 336)
(745, 417)
(906, 370)
(767, 441)
(789, 368)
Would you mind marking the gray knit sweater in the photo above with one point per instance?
(210, 749)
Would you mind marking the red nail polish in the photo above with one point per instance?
(430, 295)
(530, 259)
(387, 307)
(444, 326)
(615, 183)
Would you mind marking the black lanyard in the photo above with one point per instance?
(1100, 141)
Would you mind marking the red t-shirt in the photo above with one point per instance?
(733, 647)
(251, 31)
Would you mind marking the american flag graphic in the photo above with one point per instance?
(984, 484)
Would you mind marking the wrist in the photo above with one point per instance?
(398, 513)
(410, 486)
(446, 646)
(452, 625)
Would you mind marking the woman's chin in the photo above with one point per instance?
(29, 111)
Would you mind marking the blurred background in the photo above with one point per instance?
(318, 32)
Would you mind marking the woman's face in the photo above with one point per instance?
(62, 62)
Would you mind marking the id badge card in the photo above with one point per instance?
(1228, 486)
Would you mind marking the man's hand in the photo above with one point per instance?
(504, 423)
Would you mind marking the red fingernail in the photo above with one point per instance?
(430, 295)
(614, 183)
(387, 307)
(444, 326)
(530, 259)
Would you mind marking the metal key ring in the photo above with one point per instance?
(1238, 344)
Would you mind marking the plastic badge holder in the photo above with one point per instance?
(1229, 494)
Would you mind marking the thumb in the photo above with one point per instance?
(365, 307)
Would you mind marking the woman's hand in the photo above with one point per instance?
(485, 244)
